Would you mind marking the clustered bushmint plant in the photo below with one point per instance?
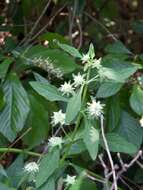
(87, 118)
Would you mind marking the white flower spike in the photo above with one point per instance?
(70, 180)
(141, 121)
(31, 168)
(78, 79)
(95, 108)
(66, 88)
(55, 141)
(58, 118)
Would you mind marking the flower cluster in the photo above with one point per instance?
(95, 108)
(48, 66)
(31, 168)
(70, 180)
(58, 118)
(55, 141)
(68, 88)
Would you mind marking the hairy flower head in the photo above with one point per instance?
(70, 180)
(78, 79)
(95, 108)
(55, 141)
(31, 167)
(67, 88)
(58, 118)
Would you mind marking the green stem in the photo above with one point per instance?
(78, 122)
(16, 150)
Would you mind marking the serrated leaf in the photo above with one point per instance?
(48, 91)
(91, 139)
(48, 165)
(38, 120)
(73, 107)
(69, 49)
(14, 114)
(136, 100)
(117, 143)
(108, 89)
(129, 128)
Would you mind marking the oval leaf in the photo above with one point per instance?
(136, 100)
(48, 91)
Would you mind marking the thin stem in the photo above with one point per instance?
(16, 150)
(109, 154)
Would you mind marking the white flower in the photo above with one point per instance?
(70, 180)
(58, 118)
(96, 63)
(55, 141)
(78, 79)
(66, 88)
(85, 58)
(31, 167)
(95, 109)
(141, 121)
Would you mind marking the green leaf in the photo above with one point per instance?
(69, 49)
(136, 100)
(14, 114)
(14, 171)
(117, 143)
(49, 185)
(2, 100)
(40, 78)
(129, 128)
(118, 48)
(38, 120)
(4, 67)
(91, 139)
(48, 91)
(48, 165)
(2, 171)
(51, 37)
(56, 57)
(113, 112)
(73, 107)
(77, 148)
(108, 89)
(116, 74)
